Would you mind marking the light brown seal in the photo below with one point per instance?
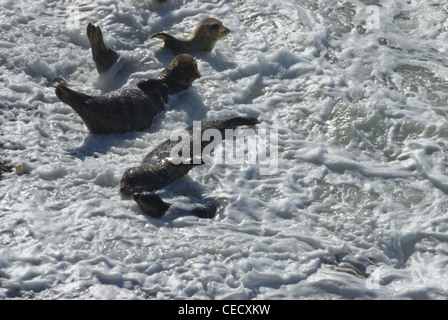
(132, 109)
(204, 37)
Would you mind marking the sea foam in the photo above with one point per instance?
(355, 210)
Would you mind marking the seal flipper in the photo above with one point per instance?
(207, 210)
(151, 204)
(103, 57)
(71, 97)
(154, 206)
(169, 41)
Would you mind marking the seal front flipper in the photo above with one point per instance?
(103, 57)
(151, 204)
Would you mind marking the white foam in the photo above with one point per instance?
(362, 139)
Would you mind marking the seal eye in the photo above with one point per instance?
(215, 26)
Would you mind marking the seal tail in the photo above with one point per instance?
(71, 97)
(169, 40)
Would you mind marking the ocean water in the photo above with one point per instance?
(356, 208)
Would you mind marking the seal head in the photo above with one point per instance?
(178, 75)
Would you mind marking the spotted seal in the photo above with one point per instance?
(158, 170)
(204, 37)
(132, 109)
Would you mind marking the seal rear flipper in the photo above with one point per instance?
(103, 57)
(151, 204)
(170, 41)
(71, 97)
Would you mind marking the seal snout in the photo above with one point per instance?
(213, 28)
(226, 31)
(196, 73)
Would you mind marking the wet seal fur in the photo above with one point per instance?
(204, 37)
(132, 109)
(157, 170)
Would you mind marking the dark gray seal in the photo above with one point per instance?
(132, 109)
(204, 37)
(158, 170)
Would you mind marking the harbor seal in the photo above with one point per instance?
(132, 109)
(204, 37)
(103, 57)
(157, 169)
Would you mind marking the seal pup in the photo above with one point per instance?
(103, 57)
(157, 169)
(132, 109)
(204, 37)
